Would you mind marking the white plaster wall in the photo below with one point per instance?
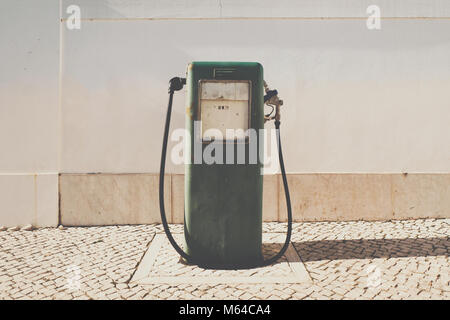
(29, 33)
(131, 9)
(29, 71)
(356, 100)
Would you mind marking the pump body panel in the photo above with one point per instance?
(223, 173)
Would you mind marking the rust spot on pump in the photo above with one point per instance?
(189, 112)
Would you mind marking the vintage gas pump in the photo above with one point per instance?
(223, 194)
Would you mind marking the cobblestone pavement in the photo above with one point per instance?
(346, 260)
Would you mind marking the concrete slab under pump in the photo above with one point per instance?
(162, 265)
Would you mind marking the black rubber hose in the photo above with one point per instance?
(162, 170)
(288, 201)
(172, 241)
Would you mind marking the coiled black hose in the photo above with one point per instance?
(175, 85)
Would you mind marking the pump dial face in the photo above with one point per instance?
(224, 109)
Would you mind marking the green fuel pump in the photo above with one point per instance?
(223, 170)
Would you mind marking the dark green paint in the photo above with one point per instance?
(223, 202)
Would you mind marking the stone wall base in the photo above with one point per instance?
(108, 199)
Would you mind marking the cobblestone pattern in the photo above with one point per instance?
(346, 260)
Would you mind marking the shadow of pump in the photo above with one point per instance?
(268, 250)
(372, 248)
(353, 249)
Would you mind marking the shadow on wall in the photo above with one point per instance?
(372, 248)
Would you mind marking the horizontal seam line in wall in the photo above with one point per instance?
(266, 174)
(253, 18)
(269, 174)
(27, 173)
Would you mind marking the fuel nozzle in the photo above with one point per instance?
(176, 83)
(270, 94)
(271, 99)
